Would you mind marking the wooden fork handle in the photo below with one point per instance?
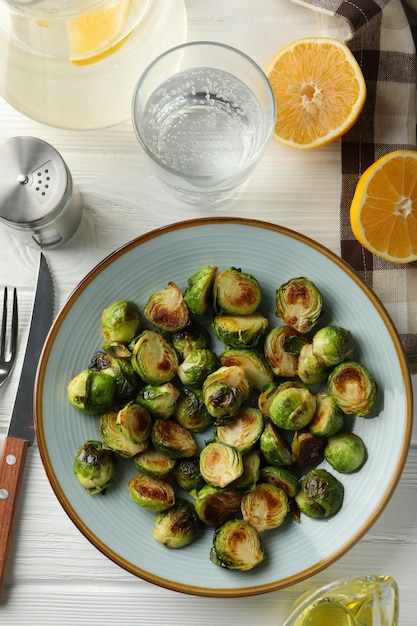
(12, 463)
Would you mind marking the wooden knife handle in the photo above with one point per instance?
(12, 463)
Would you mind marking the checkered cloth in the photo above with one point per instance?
(381, 35)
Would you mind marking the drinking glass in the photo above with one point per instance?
(203, 113)
(362, 601)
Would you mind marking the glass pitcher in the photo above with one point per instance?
(74, 63)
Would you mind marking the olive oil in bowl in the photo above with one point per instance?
(362, 601)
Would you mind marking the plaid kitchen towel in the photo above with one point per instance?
(381, 35)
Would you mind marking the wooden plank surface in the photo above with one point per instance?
(55, 577)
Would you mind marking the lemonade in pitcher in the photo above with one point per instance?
(74, 63)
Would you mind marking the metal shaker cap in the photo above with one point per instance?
(35, 183)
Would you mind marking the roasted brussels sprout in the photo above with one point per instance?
(114, 439)
(274, 447)
(197, 365)
(345, 452)
(220, 464)
(307, 448)
(121, 321)
(118, 350)
(192, 337)
(154, 358)
(154, 463)
(225, 390)
(191, 411)
(178, 526)
(310, 369)
(265, 507)
(167, 309)
(253, 363)
(215, 505)
(293, 406)
(294, 343)
(125, 377)
(91, 392)
(240, 331)
(173, 439)
(320, 494)
(244, 431)
(251, 470)
(299, 304)
(134, 421)
(353, 388)
(159, 400)
(328, 417)
(154, 494)
(187, 474)
(94, 466)
(281, 361)
(281, 477)
(198, 294)
(332, 345)
(265, 399)
(236, 293)
(237, 546)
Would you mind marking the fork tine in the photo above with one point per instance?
(12, 344)
(14, 326)
(3, 323)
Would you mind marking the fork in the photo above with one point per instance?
(7, 358)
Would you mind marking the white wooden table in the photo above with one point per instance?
(55, 575)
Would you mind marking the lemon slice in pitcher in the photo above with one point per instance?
(98, 33)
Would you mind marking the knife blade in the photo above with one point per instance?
(21, 433)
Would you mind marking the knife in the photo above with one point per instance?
(21, 433)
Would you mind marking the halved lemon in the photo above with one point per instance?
(319, 91)
(98, 33)
(383, 212)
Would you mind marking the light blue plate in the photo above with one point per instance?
(119, 527)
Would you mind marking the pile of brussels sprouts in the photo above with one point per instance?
(274, 404)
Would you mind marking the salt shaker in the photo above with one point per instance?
(37, 198)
